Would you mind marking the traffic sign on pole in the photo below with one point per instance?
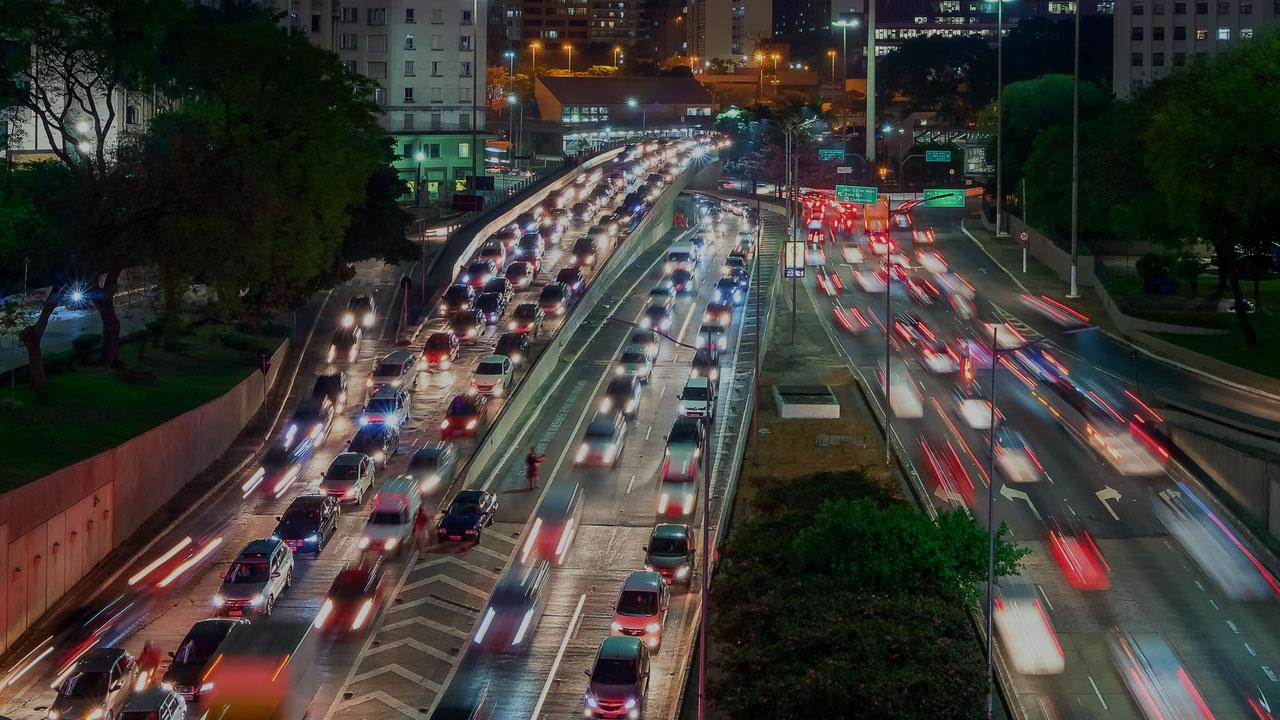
(944, 197)
(794, 265)
(844, 170)
(857, 194)
(937, 156)
(831, 153)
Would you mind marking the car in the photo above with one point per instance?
(551, 234)
(738, 275)
(494, 252)
(466, 325)
(311, 421)
(718, 313)
(515, 607)
(603, 439)
(154, 703)
(440, 350)
(397, 369)
(490, 306)
(531, 247)
(280, 467)
(507, 235)
(911, 329)
(607, 226)
(333, 386)
(646, 337)
(670, 553)
(468, 514)
(97, 685)
(685, 441)
(733, 262)
(492, 375)
(463, 416)
(478, 273)
(618, 679)
(740, 255)
(710, 333)
(526, 318)
(189, 664)
(521, 273)
(973, 407)
(349, 477)
(584, 251)
(432, 465)
(390, 526)
(530, 220)
(259, 575)
(622, 393)
(582, 211)
(502, 286)
(938, 358)
(515, 345)
(706, 363)
(641, 610)
(685, 280)
(698, 399)
(634, 361)
(354, 597)
(560, 215)
(746, 246)
(573, 278)
(361, 310)
(1014, 458)
(554, 298)
(379, 442)
(345, 344)
(657, 316)
(388, 406)
(457, 298)
(308, 523)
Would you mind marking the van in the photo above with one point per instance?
(681, 255)
(556, 524)
(641, 610)
(390, 525)
(698, 399)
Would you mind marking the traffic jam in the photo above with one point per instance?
(360, 464)
(1057, 424)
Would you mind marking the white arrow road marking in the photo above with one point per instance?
(1262, 698)
(1168, 495)
(1108, 493)
(1009, 494)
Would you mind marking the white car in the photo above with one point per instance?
(349, 477)
(634, 362)
(1026, 633)
(973, 408)
(492, 375)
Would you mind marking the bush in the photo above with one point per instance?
(276, 330)
(236, 341)
(86, 344)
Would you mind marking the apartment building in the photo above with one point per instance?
(1152, 38)
(584, 22)
(727, 28)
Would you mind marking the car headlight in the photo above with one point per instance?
(653, 627)
(348, 320)
(590, 700)
(619, 370)
(206, 687)
(615, 626)
(379, 456)
(363, 421)
(605, 404)
(218, 601)
(257, 600)
(313, 538)
(363, 543)
(631, 702)
(472, 423)
(682, 572)
(95, 715)
(582, 453)
(390, 544)
(53, 715)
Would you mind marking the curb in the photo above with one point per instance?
(1122, 339)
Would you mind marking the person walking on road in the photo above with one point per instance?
(420, 535)
(149, 664)
(531, 463)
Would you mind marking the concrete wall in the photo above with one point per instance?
(1054, 257)
(1249, 476)
(55, 530)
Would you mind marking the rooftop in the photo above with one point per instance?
(618, 90)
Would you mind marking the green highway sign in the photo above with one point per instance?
(937, 156)
(944, 197)
(857, 194)
(830, 153)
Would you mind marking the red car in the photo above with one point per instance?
(354, 598)
(463, 417)
(440, 350)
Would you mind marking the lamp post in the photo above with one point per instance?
(844, 24)
(534, 47)
(759, 58)
(418, 157)
(832, 54)
(513, 100)
(1000, 114)
(1074, 291)
(617, 55)
(644, 122)
(568, 48)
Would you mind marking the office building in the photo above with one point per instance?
(722, 29)
(1152, 38)
(584, 22)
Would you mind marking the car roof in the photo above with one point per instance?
(634, 348)
(397, 356)
(262, 546)
(619, 648)
(308, 501)
(470, 495)
(386, 392)
(493, 358)
(432, 450)
(99, 659)
(698, 382)
(640, 580)
(347, 458)
(150, 699)
(671, 531)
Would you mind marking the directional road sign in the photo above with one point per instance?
(937, 156)
(857, 194)
(943, 197)
(830, 153)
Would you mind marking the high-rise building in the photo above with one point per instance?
(1152, 38)
(611, 22)
(660, 33)
(722, 29)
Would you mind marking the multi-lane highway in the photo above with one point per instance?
(431, 598)
(1157, 605)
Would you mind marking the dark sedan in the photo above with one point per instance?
(345, 344)
(478, 273)
(354, 598)
(490, 306)
(514, 345)
(467, 515)
(554, 298)
(379, 442)
(308, 523)
(572, 277)
(457, 298)
(191, 660)
(466, 325)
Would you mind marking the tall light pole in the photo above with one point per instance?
(759, 58)
(617, 55)
(568, 48)
(418, 157)
(477, 152)
(644, 122)
(844, 24)
(1000, 113)
(1074, 291)
(513, 100)
(832, 54)
(534, 47)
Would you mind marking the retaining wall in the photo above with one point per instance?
(54, 530)
(1048, 252)
(1249, 477)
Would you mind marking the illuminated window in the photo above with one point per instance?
(1224, 33)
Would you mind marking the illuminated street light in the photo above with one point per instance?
(534, 47)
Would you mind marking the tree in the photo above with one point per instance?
(497, 86)
(953, 76)
(377, 229)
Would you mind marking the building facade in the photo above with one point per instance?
(585, 22)
(1152, 38)
(724, 29)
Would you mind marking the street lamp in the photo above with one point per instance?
(617, 54)
(644, 123)
(844, 24)
(568, 48)
(510, 55)
(513, 100)
(1000, 112)
(534, 47)
(1074, 292)
(418, 157)
(759, 58)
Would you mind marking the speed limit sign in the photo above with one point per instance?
(1023, 236)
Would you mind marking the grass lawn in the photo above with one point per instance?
(91, 408)
(1230, 348)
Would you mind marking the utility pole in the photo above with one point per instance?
(888, 361)
(1074, 291)
(1000, 112)
(991, 531)
(706, 576)
(871, 83)
(755, 406)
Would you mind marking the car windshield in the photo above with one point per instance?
(657, 310)
(349, 585)
(464, 507)
(380, 406)
(438, 342)
(480, 268)
(457, 292)
(343, 472)
(527, 312)
(643, 338)
(638, 603)
(552, 293)
(389, 517)
(667, 546)
(85, 685)
(602, 429)
(620, 386)
(388, 370)
(614, 672)
(489, 368)
(460, 406)
(248, 572)
(634, 357)
(531, 242)
(695, 393)
(301, 516)
(424, 462)
(683, 433)
(198, 647)
(488, 302)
